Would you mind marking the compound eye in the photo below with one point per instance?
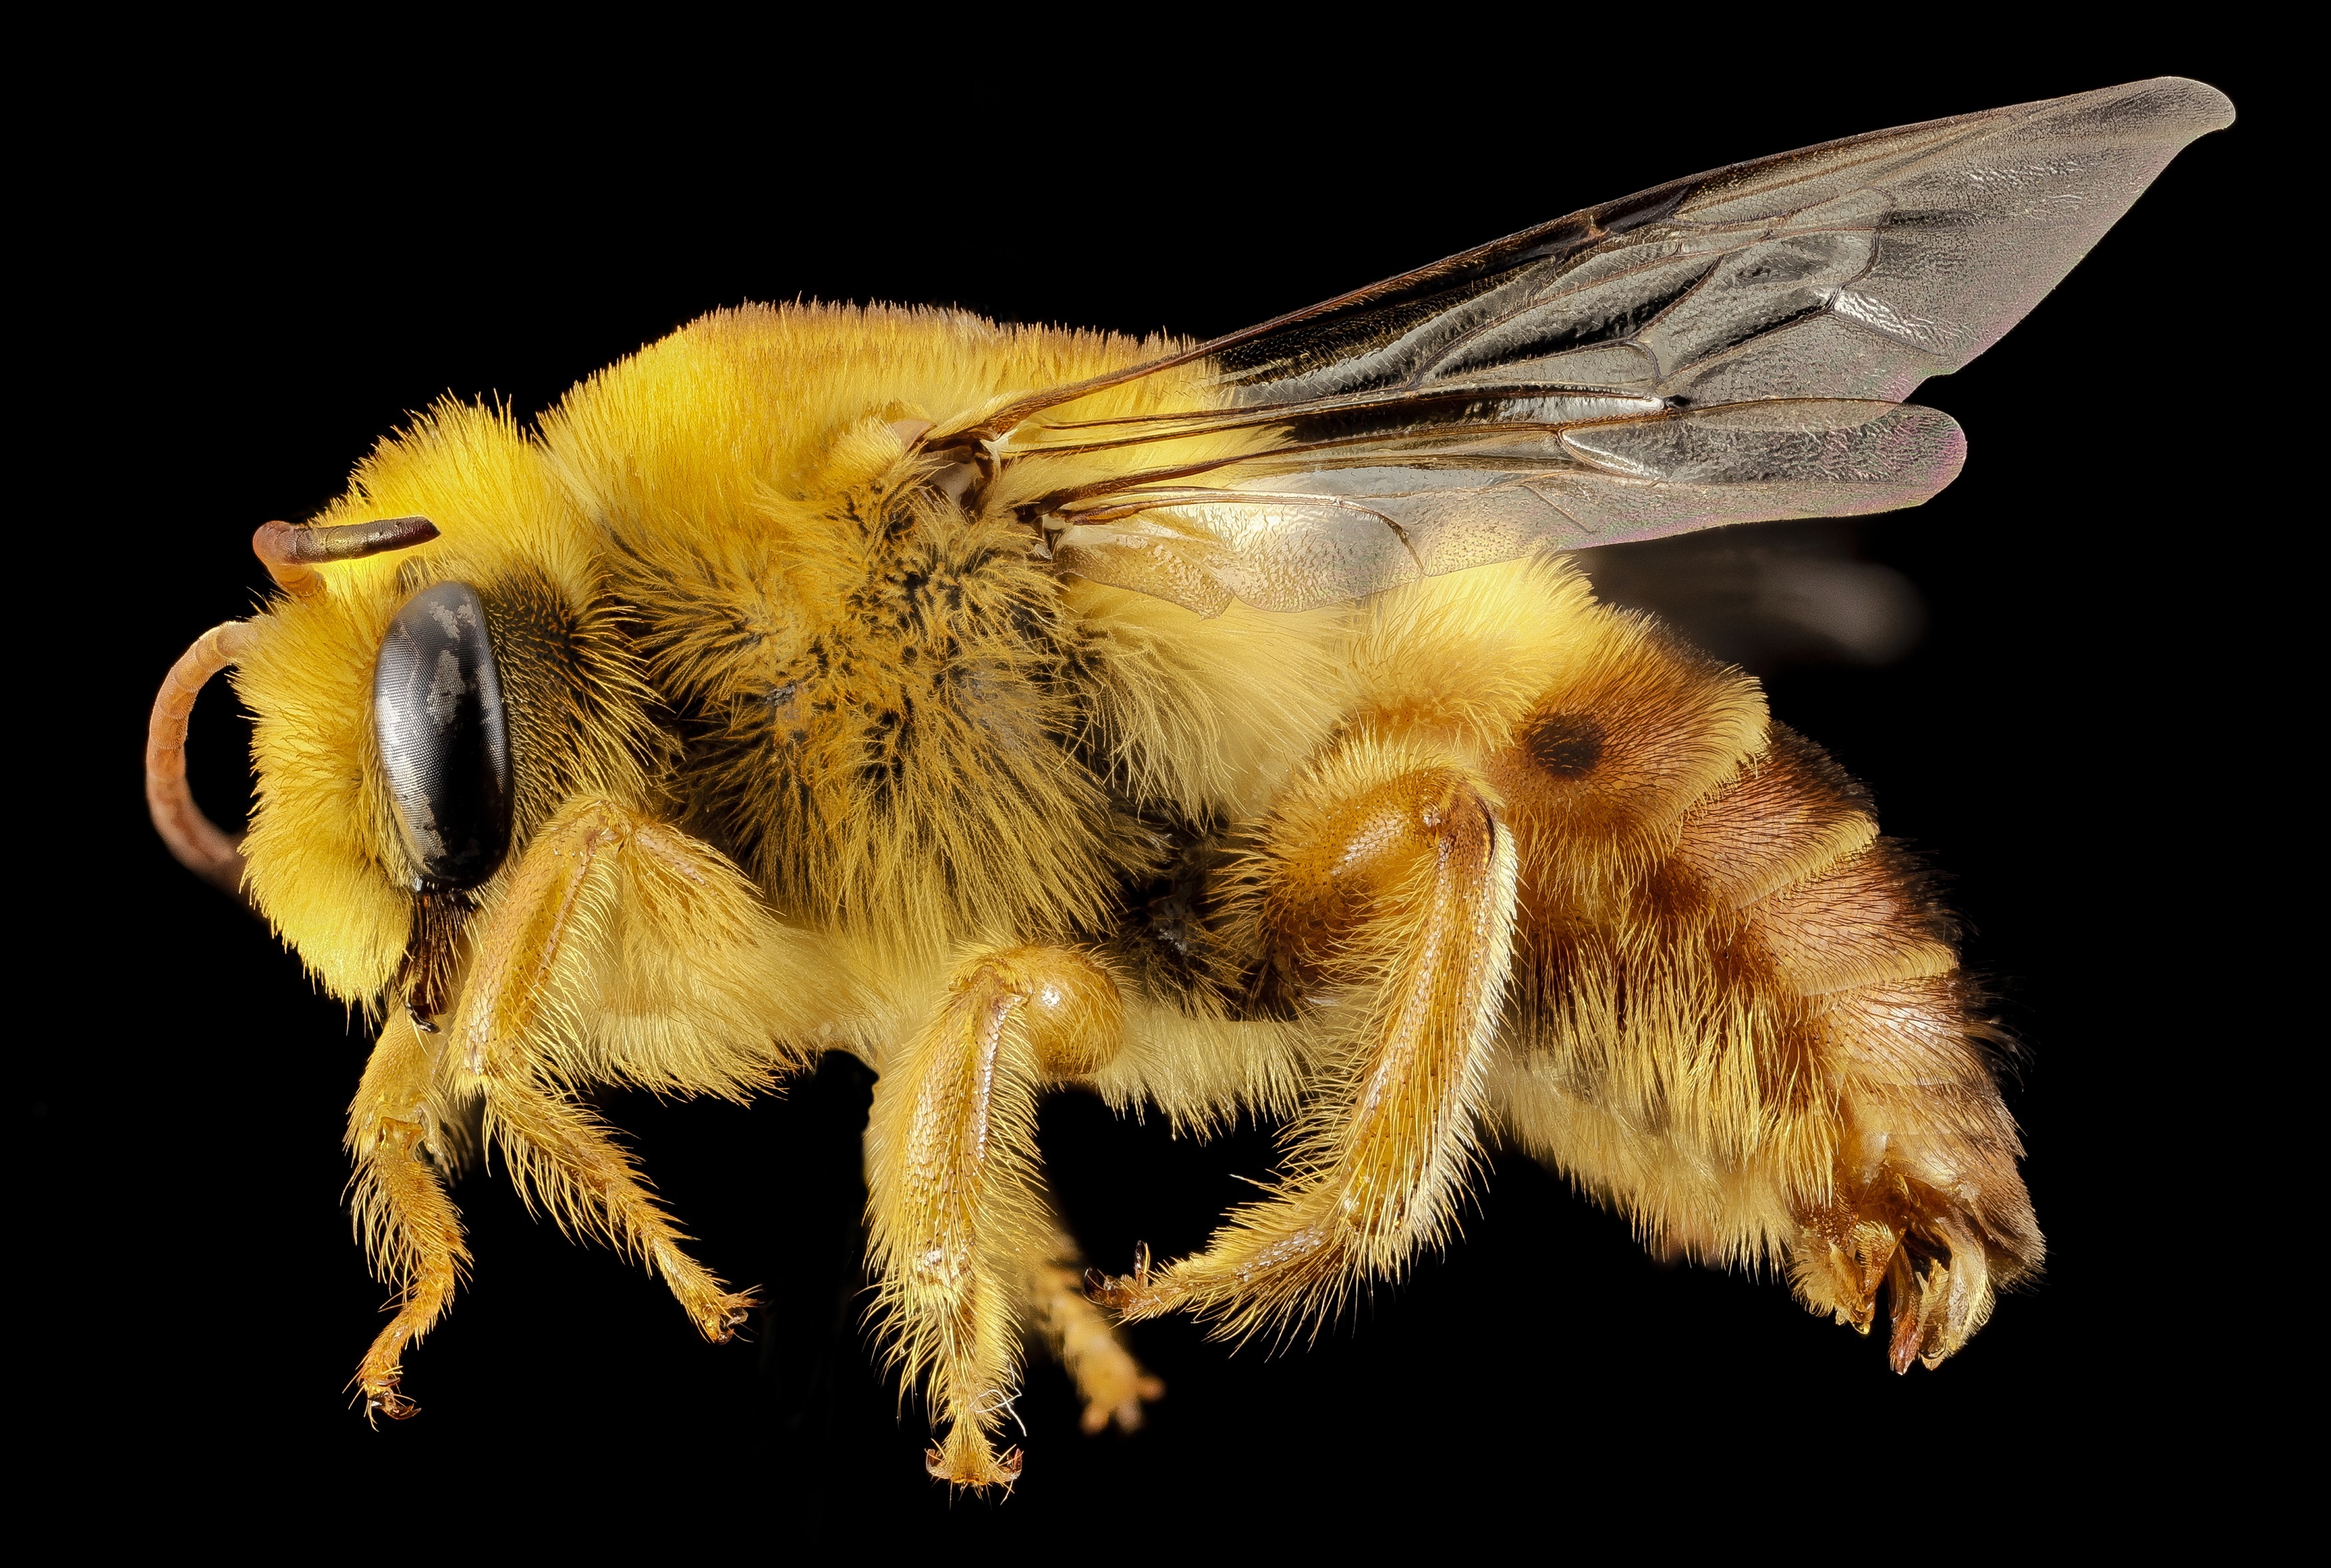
(437, 708)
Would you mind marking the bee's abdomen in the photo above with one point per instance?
(1739, 1012)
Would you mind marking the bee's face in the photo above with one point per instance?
(419, 711)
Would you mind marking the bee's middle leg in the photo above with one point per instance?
(960, 1226)
(1388, 882)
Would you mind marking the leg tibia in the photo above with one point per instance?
(560, 1155)
(959, 1225)
(595, 924)
(1387, 884)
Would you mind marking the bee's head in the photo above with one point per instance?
(425, 691)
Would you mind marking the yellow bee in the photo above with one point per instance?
(1219, 727)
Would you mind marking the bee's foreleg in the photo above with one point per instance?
(518, 1015)
(563, 1155)
(411, 1229)
(1386, 887)
(959, 1217)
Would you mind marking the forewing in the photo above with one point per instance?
(1723, 348)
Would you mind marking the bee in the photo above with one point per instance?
(1223, 728)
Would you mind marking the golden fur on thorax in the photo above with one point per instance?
(811, 756)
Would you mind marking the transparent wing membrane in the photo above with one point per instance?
(1374, 520)
(1731, 348)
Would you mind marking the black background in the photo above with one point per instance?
(250, 285)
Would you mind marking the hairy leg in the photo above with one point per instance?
(539, 957)
(412, 1232)
(562, 1155)
(958, 1219)
(1386, 880)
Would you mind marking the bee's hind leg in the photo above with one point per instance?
(1387, 876)
(412, 1232)
(1112, 1384)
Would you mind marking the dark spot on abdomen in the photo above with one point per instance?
(1566, 745)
